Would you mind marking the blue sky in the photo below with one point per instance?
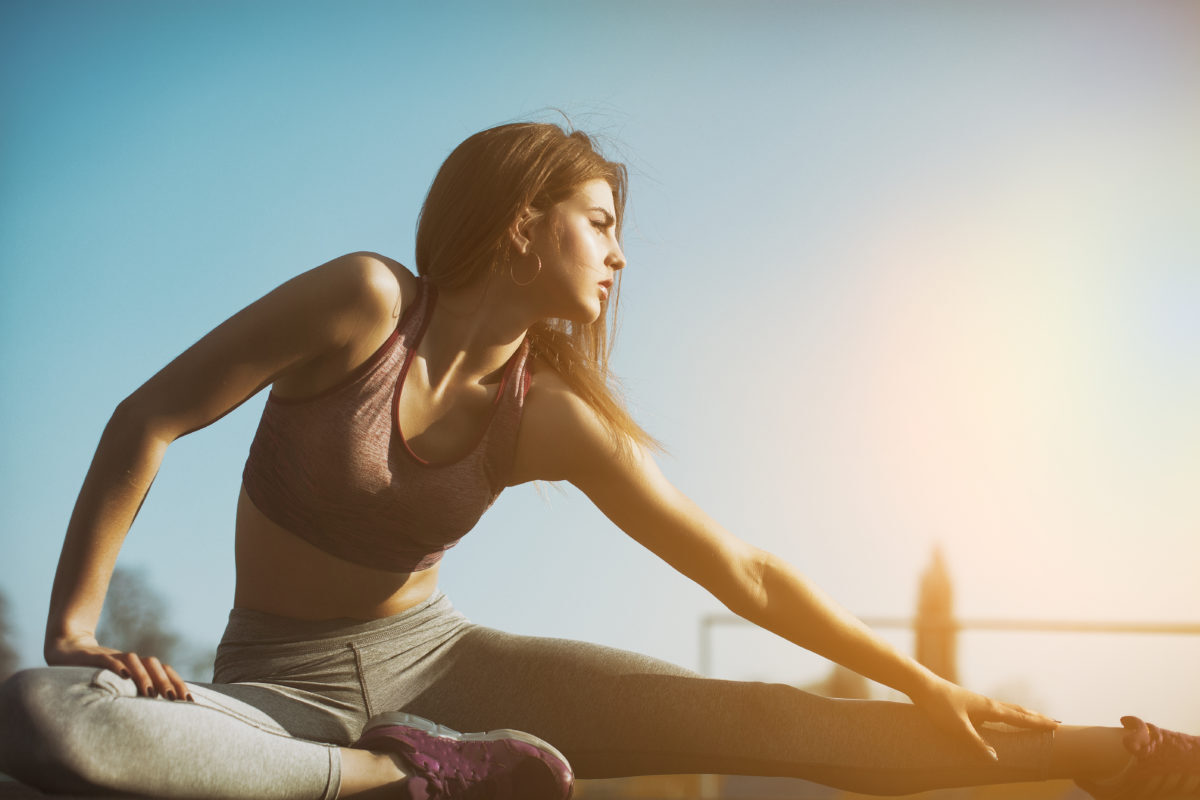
(899, 274)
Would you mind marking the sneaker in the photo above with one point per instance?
(1165, 765)
(445, 764)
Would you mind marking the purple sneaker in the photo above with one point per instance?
(1165, 764)
(447, 764)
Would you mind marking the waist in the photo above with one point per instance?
(279, 573)
(262, 647)
(249, 626)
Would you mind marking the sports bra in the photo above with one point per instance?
(335, 470)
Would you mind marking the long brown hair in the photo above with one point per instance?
(462, 234)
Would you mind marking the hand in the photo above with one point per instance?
(957, 711)
(153, 678)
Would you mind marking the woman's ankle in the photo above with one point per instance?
(1088, 752)
(367, 775)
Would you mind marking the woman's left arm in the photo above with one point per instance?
(749, 581)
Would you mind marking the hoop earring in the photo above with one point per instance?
(537, 272)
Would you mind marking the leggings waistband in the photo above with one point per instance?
(249, 627)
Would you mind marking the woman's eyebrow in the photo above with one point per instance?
(608, 218)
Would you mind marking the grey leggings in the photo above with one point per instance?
(288, 692)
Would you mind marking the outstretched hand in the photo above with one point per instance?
(958, 711)
(152, 677)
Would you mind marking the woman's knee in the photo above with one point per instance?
(44, 739)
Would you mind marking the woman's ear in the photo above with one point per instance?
(521, 231)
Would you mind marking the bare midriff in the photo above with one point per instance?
(280, 573)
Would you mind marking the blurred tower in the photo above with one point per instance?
(937, 632)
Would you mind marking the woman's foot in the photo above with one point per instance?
(445, 764)
(1163, 764)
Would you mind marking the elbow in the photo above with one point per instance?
(749, 597)
(134, 419)
(127, 416)
(131, 414)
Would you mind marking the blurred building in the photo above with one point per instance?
(935, 628)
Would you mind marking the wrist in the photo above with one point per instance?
(64, 633)
(921, 683)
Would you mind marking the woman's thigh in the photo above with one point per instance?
(80, 729)
(610, 711)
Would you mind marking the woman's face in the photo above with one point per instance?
(577, 242)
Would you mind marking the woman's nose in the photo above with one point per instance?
(616, 258)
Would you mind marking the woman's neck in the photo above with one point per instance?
(473, 332)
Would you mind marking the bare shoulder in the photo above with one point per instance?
(357, 299)
(370, 281)
(562, 437)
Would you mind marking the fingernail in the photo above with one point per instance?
(170, 695)
(151, 692)
(191, 699)
(124, 673)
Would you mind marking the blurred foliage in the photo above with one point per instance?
(133, 620)
(133, 615)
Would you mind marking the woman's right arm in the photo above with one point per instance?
(301, 331)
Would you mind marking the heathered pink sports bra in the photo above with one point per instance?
(335, 470)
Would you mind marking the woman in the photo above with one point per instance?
(400, 407)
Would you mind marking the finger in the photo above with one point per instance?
(977, 741)
(162, 683)
(137, 671)
(114, 664)
(1023, 717)
(179, 685)
(106, 661)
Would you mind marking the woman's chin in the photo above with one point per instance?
(584, 313)
(593, 315)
